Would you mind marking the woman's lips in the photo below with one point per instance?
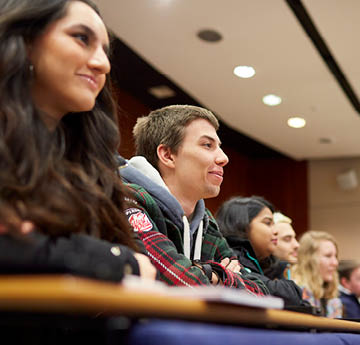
(91, 81)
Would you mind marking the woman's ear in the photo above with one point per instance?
(247, 231)
(165, 156)
(29, 53)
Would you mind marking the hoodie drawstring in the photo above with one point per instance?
(198, 241)
(186, 237)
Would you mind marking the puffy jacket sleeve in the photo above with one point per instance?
(78, 254)
(286, 289)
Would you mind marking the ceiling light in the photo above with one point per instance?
(209, 35)
(325, 141)
(272, 100)
(244, 71)
(296, 122)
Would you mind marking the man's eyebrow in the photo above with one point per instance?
(93, 35)
(211, 139)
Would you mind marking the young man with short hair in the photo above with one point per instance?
(349, 273)
(179, 163)
(287, 245)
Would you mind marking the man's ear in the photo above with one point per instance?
(344, 283)
(165, 156)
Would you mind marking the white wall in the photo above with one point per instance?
(333, 209)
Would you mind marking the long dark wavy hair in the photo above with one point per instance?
(64, 181)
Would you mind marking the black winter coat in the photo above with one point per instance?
(77, 254)
(273, 277)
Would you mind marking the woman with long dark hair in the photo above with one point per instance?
(247, 224)
(58, 129)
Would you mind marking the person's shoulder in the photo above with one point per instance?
(212, 221)
(141, 210)
(345, 297)
(138, 194)
(135, 188)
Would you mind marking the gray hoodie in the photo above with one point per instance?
(139, 171)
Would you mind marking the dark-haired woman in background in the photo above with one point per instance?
(247, 224)
(59, 193)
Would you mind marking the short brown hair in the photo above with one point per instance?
(166, 126)
(346, 268)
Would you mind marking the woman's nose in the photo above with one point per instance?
(100, 61)
(274, 230)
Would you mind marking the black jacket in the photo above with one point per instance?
(269, 271)
(77, 254)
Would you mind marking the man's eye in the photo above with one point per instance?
(207, 145)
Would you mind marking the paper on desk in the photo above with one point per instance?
(211, 294)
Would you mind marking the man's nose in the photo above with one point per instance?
(222, 159)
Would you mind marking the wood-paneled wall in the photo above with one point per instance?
(283, 181)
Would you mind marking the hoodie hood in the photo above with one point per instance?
(139, 171)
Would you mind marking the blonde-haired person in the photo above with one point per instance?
(316, 272)
(287, 246)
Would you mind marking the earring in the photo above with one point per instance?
(31, 70)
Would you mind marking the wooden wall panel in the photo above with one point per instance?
(283, 181)
(130, 110)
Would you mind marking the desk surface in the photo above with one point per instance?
(72, 295)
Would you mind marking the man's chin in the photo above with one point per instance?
(212, 192)
(292, 260)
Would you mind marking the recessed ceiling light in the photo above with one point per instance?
(161, 91)
(271, 100)
(296, 122)
(209, 35)
(325, 141)
(244, 71)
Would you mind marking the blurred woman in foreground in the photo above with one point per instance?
(60, 194)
